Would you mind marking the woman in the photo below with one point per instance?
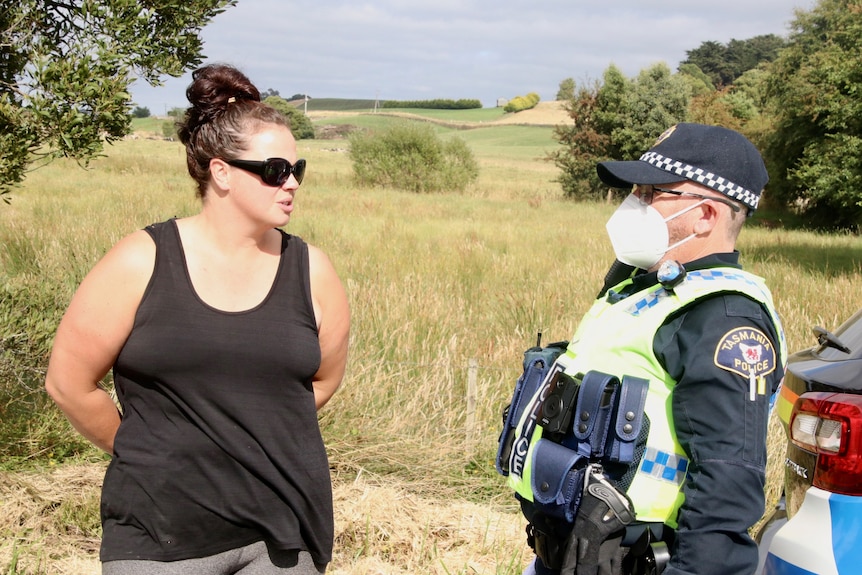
(225, 335)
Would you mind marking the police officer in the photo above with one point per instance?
(678, 310)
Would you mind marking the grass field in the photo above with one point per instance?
(437, 283)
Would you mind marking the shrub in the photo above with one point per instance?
(300, 125)
(169, 130)
(520, 103)
(412, 157)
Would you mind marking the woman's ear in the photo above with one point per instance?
(220, 174)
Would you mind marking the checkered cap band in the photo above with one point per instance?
(703, 177)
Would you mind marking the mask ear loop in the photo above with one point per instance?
(679, 213)
(635, 192)
(686, 210)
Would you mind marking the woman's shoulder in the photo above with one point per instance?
(134, 254)
(117, 282)
(317, 257)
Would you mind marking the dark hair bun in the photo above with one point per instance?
(213, 89)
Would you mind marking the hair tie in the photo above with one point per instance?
(231, 100)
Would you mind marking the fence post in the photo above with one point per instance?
(472, 376)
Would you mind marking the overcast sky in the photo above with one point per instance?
(478, 49)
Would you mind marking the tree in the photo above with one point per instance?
(65, 69)
(582, 145)
(753, 83)
(723, 64)
(654, 101)
(699, 83)
(711, 58)
(744, 55)
(741, 106)
(814, 153)
(712, 108)
(611, 109)
(566, 90)
(269, 92)
(753, 86)
(617, 119)
(140, 112)
(300, 125)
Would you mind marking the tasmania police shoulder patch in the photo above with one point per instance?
(746, 351)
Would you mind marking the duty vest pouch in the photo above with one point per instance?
(537, 364)
(558, 479)
(628, 421)
(602, 426)
(585, 421)
(594, 411)
(608, 417)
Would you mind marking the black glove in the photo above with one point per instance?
(594, 544)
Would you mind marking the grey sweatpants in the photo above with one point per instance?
(249, 560)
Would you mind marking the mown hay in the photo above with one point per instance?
(46, 526)
(382, 528)
(49, 521)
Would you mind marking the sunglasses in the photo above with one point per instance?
(646, 193)
(273, 171)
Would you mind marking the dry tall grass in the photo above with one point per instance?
(435, 282)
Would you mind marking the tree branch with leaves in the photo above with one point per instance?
(66, 66)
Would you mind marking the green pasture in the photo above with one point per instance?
(151, 124)
(366, 105)
(454, 116)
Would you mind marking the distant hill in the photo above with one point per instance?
(547, 114)
(335, 105)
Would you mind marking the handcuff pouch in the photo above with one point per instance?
(594, 412)
(557, 480)
(627, 420)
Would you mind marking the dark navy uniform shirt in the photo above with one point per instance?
(720, 415)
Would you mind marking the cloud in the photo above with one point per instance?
(479, 49)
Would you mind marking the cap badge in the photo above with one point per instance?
(665, 135)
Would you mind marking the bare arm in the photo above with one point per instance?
(333, 322)
(92, 333)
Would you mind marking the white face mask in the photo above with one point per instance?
(639, 233)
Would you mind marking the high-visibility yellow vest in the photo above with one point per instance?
(617, 338)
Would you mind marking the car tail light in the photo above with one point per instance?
(830, 426)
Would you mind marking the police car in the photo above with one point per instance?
(820, 405)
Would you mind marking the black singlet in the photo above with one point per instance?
(219, 444)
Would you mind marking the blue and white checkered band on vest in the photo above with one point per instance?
(708, 179)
